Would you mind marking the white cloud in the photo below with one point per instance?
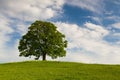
(94, 6)
(116, 25)
(5, 30)
(117, 2)
(97, 19)
(88, 43)
(31, 9)
(11, 54)
(97, 31)
(116, 34)
(109, 12)
(113, 17)
(118, 42)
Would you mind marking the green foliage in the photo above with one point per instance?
(44, 70)
(43, 39)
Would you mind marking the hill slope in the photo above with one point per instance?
(39, 70)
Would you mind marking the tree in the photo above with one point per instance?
(42, 39)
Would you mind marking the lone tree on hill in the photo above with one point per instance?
(42, 39)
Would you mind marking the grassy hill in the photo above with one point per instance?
(48, 70)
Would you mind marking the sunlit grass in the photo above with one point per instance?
(49, 70)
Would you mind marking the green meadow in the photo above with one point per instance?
(52, 70)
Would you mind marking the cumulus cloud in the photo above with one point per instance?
(89, 44)
(31, 9)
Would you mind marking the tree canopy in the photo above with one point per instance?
(42, 39)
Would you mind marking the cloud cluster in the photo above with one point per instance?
(87, 43)
(31, 9)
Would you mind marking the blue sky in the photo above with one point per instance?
(92, 28)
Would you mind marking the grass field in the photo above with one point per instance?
(48, 70)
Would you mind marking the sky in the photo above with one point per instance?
(92, 28)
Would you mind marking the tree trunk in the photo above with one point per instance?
(44, 57)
